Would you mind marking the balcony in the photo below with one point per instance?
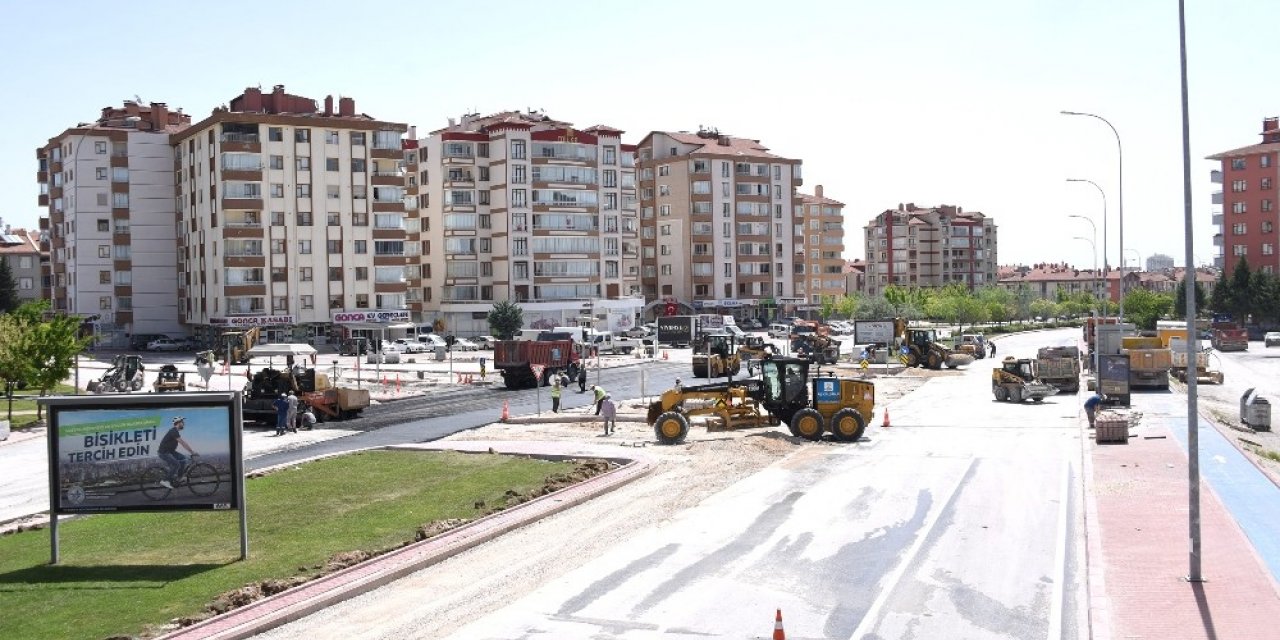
(1215, 176)
(1216, 198)
(1217, 220)
(1217, 239)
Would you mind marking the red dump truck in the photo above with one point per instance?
(517, 359)
(1229, 336)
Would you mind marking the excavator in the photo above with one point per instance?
(754, 348)
(784, 394)
(1015, 380)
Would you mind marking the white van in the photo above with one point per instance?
(779, 330)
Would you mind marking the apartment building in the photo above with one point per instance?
(21, 249)
(108, 188)
(930, 247)
(855, 277)
(517, 206)
(290, 218)
(720, 226)
(1245, 213)
(1048, 280)
(819, 232)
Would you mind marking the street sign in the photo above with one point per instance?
(537, 371)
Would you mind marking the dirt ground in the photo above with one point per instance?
(1221, 404)
(484, 579)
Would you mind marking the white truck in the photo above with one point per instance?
(605, 342)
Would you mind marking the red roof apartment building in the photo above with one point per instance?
(1247, 219)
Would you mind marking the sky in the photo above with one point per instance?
(929, 101)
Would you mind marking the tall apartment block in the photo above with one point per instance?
(21, 249)
(914, 247)
(1247, 217)
(108, 187)
(720, 225)
(291, 219)
(819, 228)
(516, 206)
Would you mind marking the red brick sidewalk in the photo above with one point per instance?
(1137, 523)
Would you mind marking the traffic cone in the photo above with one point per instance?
(664, 354)
(506, 413)
(778, 633)
(885, 424)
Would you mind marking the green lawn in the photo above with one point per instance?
(123, 573)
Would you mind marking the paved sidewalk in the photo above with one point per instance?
(313, 596)
(1137, 510)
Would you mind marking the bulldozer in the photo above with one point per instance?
(919, 347)
(784, 394)
(752, 349)
(124, 375)
(1015, 380)
(169, 379)
(715, 356)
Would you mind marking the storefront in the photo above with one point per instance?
(274, 329)
(374, 326)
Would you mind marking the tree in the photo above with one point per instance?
(873, 307)
(1263, 305)
(1180, 298)
(14, 366)
(505, 319)
(1222, 299)
(828, 308)
(1240, 279)
(8, 287)
(848, 305)
(1144, 307)
(50, 346)
(998, 301)
(1043, 308)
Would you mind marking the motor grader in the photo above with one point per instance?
(715, 356)
(784, 394)
(1015, 380)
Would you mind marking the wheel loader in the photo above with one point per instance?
(125, 375)
(784, 394)
(715, 356)
(1015, 380)
(922, 349)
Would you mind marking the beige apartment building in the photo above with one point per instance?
(290, 219)
(930, 247)
(21, 249)
(108, 188)
(516, 206)
(722, 227)
(820, 227)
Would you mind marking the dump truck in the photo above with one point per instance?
(1178, 358)
(785, 394)
(1060, 367)
(526, 364)
(1149, 362)
(238, 343)
(1015, 380)
(1228, 336)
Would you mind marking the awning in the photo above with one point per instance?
(283, 349)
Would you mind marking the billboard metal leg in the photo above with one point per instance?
(53, 538)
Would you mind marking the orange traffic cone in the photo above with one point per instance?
(664, 354)
(885, 424)
(778, 633)
(506, 413)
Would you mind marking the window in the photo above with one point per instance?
(610, 155)
(1266, 205)
(104, 303)
(360, 247)
(664, 170)
(1238, 186)
(100, 147)
(330, 137)
(664, 190)
(519, 198)
(120, 200)
(305, 274)
(1239, 207)
(1239, 228)
(1267, 227)
(335, 274)
(306, 302)
(1268, 248)
(1239, 249)
(277, 247)
(277, 162)
(1265, 162)
(362, 273)
(518, 151)
(357, 138)
(302, 135)
(279, 274)
(29, 283)
(330, 164)
(303, 163)
(275, 134)
(304, 218)
(100, 173)
(518, 174)
(333, 246)
(104, 226)
(304, 247)
(277, 190)
(482, 150)
(1237, 164)
(358, 192)
(303, 191)
(1265, 184)
(104, 277)
(362, 301)
(104, 251)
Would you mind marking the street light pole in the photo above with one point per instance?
(1097, 370)
(1120, 188)
(1106, 265)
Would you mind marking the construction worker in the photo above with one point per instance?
(555, 394)
(599, 395)
(610, 413)
(1091, 408)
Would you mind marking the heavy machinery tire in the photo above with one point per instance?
(1001, 394)
(92, 387)
(913, 359)
(671, 427)
(699, 371)
(847, 425)
(1015, 395)
(737, 368)
(807, 424)
(1037, 399)
(934, 361)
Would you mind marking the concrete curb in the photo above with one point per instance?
(1099, 603)
(313, 596)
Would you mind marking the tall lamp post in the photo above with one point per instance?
(1106, 266)
(1097, 370)
(1120, 188)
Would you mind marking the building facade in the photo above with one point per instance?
(21, 249)
(819, 229)
(108, 187)
(721, 230)
(517, 206)
(290, 218)
(935, 247)
(1245, 211)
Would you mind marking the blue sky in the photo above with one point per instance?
(930, 101)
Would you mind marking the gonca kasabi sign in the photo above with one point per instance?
(251, 321)
(370, 316)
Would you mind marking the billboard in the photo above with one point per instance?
(173, 451)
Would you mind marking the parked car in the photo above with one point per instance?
(751, 324)
(432, 341)
(463, 344)
(484, 342)
(638, 332)
(393, 346)
(139, 341)
(164, 344)
(1272, 339)
(409, 346)
(186, 344)
(779, 330)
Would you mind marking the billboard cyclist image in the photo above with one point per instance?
(143, 458)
